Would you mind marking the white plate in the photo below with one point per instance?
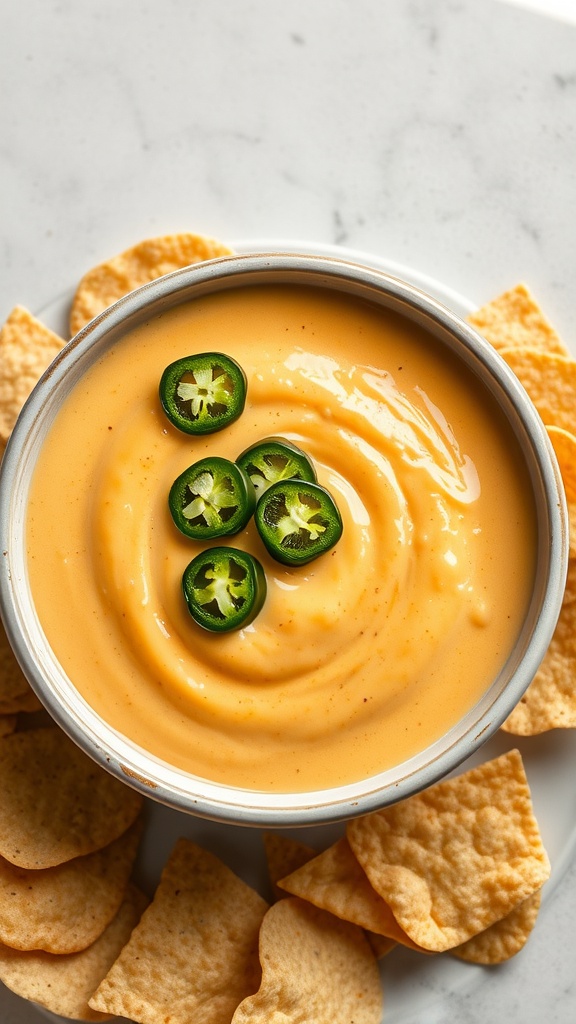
(413, 984)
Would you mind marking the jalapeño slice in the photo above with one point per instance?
(297, 521)
(224, 588)
(212, 498)
(274, 459)
(203, 393)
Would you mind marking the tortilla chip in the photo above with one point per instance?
(564, 444)
(335, 881)
(515, 320)
(15, 692)
(153, 258)
(63, 984)
(194, 955)
(286, 856)
(550, 380)
(27, 348)
(66, 908)
(283, 856)
(380, 944)
(503, 939)
(55, 802)
(7, 724)
(550, 700)
(314, 968)
(26, 702)
(453, 860)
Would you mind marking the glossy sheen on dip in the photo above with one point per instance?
(359, 659)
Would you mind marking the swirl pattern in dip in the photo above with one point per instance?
(358, 659)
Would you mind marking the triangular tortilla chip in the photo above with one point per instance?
(335, 881)
(64, 983)
(550, 700)
(27, 348)
(456, 858)
(194, 955)
(152, 258)
(515, 320)
(314, 968)
(283, 856)
(550, 380)
(504, 939)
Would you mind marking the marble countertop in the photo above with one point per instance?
(440, 136)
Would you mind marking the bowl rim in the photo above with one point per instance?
(119, 755)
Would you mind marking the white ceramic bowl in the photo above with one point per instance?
(157, 778)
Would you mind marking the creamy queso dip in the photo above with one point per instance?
(359, 659)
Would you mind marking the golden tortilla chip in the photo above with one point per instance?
(63, 984)
(503, 939)
(15, 691)
(515, 320)
(7, 724)
(283, 856)
(194, 955)
(26, 702)
(550, 380)
(380, 944)
(66, 908)
(550, 700)
(335, 881)
(564, 444)
(55, 802)
(27, 348)
(314, 968)
(453, 860)
(153, 258)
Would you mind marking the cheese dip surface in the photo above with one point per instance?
(359, 659)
